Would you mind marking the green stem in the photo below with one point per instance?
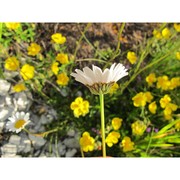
(117, 51)
(101, 96)
(143, 69)
(82, 153)
(149, 143)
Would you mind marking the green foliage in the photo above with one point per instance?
(153, 56)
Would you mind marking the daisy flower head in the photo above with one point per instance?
(99, 81)
(18, 121)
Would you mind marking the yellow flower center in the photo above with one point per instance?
(19, 123)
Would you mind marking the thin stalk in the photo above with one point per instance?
(27, 131)
(143, 69)
(91, 59)
(81, 38)
(101, 96)
(82, 153)
(97, 51)
(117, 51)
(56, 146)
(78, 46)
(149, 143)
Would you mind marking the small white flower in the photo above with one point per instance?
(18, 121)
(97, 80)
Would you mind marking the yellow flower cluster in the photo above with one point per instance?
(164, 83)
(87, 142)
(138, 127)
(62, 79)
(11, 64)
(33, 49)
(174, 83)
(131, 56)
(55, 68)
(58, 38)
(114, 88)
(152, 107)
(140, 99)
(165, 103)
(177, 126)
(80, 107)
(165, 33)
(177, 27)
(157, 34)
(116, 123)
(150, 79)
(112, 138)
(12, 26)
(62, 58)
(178, 55)
(27, 71)
(19, 87)
(127, 144)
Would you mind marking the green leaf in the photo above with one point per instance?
(161, 145)
(167, 127)
(172, 140)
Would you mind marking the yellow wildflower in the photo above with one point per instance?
(177, 126)
(152, 107)
(55, 68)
(174, 82)
(12, 26)
(62, 79)
(163, 82)
(166, 33)
(178, 55)
(177, 27)
(58, 38)
(131, 56)
(167, 113)
(138, 127)
(148, 96)
(127, 144)
(11, 64)
(164, 101)
(157, 34)
(80, 107)
(116, 123)
(112, 138)
(62, 58)
(27, 72)
(33, 49)
(139, 99)
(114, 88)
(87, 142)
(150, 79)
(171, 107)
(19, 87)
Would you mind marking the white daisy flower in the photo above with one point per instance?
(100, 81)
(18, 121)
